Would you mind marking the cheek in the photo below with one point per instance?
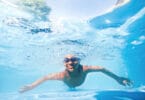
(65, 64)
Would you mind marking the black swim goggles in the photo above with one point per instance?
(73, 59)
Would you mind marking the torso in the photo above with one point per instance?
(75, 80)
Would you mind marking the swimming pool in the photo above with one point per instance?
(32, 45)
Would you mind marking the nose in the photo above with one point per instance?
(70, 62)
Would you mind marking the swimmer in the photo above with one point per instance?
(75, 74)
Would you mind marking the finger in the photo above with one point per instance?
(127, 83)
(130, 84)
(124, 84)
(23, 89)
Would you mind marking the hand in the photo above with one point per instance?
(25, 88)
(124, 81)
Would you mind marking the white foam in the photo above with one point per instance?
(132, 19)
(139, 41)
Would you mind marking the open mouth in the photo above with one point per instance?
(71, 67)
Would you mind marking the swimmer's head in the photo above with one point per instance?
(71, 62)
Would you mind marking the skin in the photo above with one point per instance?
(74, 75)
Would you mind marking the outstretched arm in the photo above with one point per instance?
(121, 80)
(54, 76)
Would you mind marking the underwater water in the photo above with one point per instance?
(33, 45)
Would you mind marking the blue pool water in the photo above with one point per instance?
(33, 45)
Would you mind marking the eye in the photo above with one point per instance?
(66, 60)
(73, 59)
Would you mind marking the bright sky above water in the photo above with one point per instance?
(76, 9)
(79, 9)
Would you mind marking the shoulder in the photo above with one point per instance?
(92, 68)
(86, 68)
(55, 76)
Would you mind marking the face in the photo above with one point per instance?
(71, 62)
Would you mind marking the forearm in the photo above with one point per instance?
(32, 85)
(53, 76)
(110, 74)
(121, 80)
(37, 82)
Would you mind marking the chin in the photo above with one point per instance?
(70, 70)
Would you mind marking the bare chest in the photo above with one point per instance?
(73, 81)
